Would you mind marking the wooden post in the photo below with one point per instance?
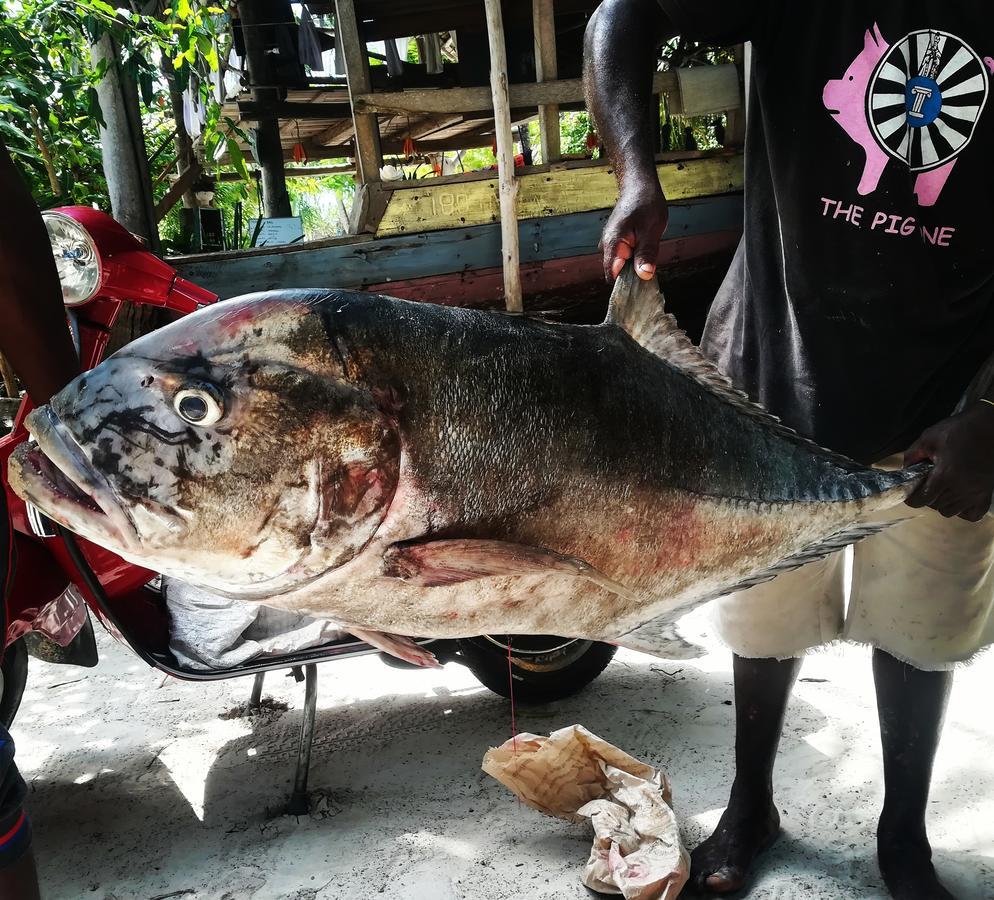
(269, 147)
(507, 183)
(735, 129)
(350, 45)
(546, 69)
(122, 143)
(9, 378)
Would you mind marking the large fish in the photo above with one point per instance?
(443, 472)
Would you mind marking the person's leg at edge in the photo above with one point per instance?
(20, 880)
(751, 821)
(911, 705)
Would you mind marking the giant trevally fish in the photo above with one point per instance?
(441, 472)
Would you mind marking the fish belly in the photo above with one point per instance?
(692, 550)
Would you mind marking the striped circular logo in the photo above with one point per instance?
(925, 98)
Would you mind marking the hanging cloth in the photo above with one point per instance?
(194, 114)
(338, 66)
(430, 52)
(395, 62)
(308, 46)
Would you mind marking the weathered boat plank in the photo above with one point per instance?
(380, 261)
(483, 287)
(433, 208)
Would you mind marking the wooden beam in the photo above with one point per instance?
(175, 193)
(389, 147)
(546, 69)
(397, 18)
(251, 111)
(332, 134)
(507, 184)
(366, 128)
(298, 172)
(427, 127)
(473, 99)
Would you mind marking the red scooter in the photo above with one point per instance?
(105, 270)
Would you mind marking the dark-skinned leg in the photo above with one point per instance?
(20, 881)
(751, 822)
(911, 704)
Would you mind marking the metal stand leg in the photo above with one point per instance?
(255, 698)
(299, 804)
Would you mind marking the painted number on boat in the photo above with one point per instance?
(454, 203)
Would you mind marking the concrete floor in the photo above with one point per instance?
(139, 790)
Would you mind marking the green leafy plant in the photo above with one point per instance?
(49, 110)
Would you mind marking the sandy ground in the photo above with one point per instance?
(139, 790)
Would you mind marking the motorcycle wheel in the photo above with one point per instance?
(543, 668)
(13, 677)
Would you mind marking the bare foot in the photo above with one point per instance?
(722, 863)
(905, 858)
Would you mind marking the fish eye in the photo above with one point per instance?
(198, 404)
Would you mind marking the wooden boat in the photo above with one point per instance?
(440, 241)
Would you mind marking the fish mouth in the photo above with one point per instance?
(56, 475)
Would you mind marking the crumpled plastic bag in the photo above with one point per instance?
(575, 775)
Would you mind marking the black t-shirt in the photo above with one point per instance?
(861, 300)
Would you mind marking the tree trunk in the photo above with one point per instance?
(122, 141)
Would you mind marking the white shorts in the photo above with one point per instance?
(922, 590)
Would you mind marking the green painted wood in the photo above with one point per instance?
(357, 265)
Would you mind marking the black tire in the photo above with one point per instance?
(544, 668)
(14, 670)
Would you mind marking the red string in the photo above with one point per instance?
(510, 686)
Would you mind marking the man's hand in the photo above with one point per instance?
(962, 449)
(634, 228)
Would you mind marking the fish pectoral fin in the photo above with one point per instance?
(660, 639)
(399, 646)
(446, 562)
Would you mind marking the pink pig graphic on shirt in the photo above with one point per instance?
(847, 102)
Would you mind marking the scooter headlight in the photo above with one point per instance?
(76, 258)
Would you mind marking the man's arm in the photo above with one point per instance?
(34, 335)
(618, 66)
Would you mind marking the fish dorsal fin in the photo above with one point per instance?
(638, 308)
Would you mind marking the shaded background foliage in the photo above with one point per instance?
(49, 114)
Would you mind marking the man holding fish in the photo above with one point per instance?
(299, 448)
(855, 334)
